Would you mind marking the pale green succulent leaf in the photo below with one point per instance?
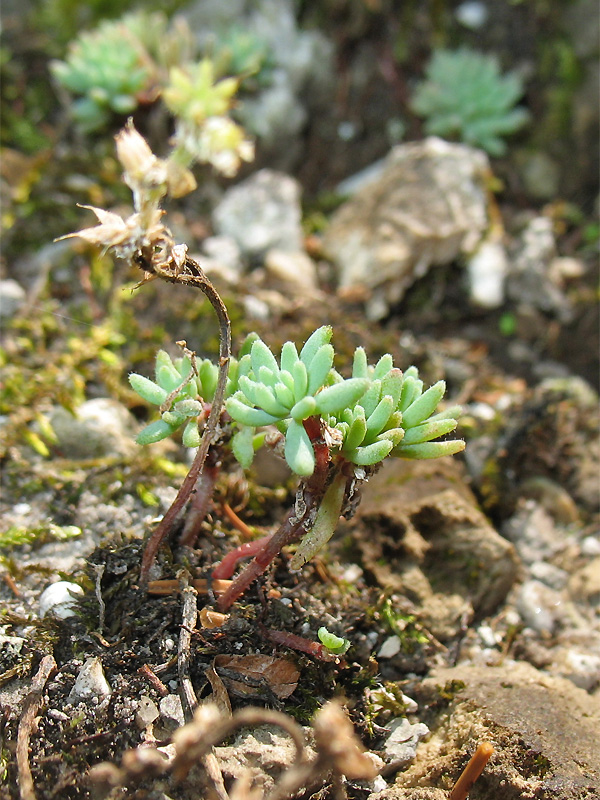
(392, 384)
(429, 449)
(320, 365)
(424, 406)
(429, 430)
(378, 419)
(341, 395)
(326, 520)
(147, 389)
(300, 376)
(356, 431)
(304, 408)
(371, 453)
(284, 395)
(316, 340)
(261, 356)
(246, 415)
(191, 434)
(289, 356)
(188, 408)
(154, 432)
(242, 446)
(299, 452)
(371, 397)
(383, 366)
(411, 389)
(335, 644)
(360, 367)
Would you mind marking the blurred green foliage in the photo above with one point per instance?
(464, 96)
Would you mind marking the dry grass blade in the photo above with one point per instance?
(31, 706)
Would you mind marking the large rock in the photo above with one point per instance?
(261, 213)
(421, 534)
(427, 207)
(544, 731)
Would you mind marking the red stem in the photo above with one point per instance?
(288, 532)
(201, 499)
(226, 568)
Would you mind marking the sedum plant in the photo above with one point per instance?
(106, 70)
(332, 431)
(465, 96)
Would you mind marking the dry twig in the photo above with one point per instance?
(31, 706)
(472, 771)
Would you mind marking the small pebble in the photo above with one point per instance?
(538, 606)
(390, 648)
(401, 745)
(58, 599)
(91, 683)
(171, 709)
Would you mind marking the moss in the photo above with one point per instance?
(450, 689)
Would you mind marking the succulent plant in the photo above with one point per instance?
(377, 412)
(466, 97)
(107, 68)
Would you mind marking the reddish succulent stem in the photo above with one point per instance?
(287, 533)
(201, 499)
(226, 568)
(301, 644)
(293, 526)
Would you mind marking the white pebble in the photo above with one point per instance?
(58, 599)
(91, 683)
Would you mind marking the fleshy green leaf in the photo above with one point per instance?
(299, 452)
(289, 356)
(320, 365)
(188, 408)
(429, 430)
(155, 432)
(371, 397)
(243, 447)
(147, 389)
(383, 366)
(284, 395)
(425, 405)
(360, 367)
(304, 408)
(411, 389)
(376, 421)
(335, 644)
(371, 453)
(316, 340)
(246, 415)
(300, 375)
(191, 434)
(392, 384)
(356, 431)
(326, 520)
(429, 449)
(341, 395)
(261, 356)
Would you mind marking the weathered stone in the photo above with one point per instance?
(428, 207)
(261, 213)
(421, 534)
(544, 731)
(90, 682)
(100, 427)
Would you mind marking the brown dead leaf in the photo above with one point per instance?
(249, 675)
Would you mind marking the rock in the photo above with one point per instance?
(487, 270)
(584, 584)
(261, 213)
(222, 257)
(533, 532)
(401, 745)
(90, 682)
(294, 271)
(544, 732)
(58, 599)
(529, 281)
(397, 793)
(265, 753)
(539, 606)
(12, 297)
(101, 427)
(147, 712)
(428, 207)
(171, 710)
(421, 534)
